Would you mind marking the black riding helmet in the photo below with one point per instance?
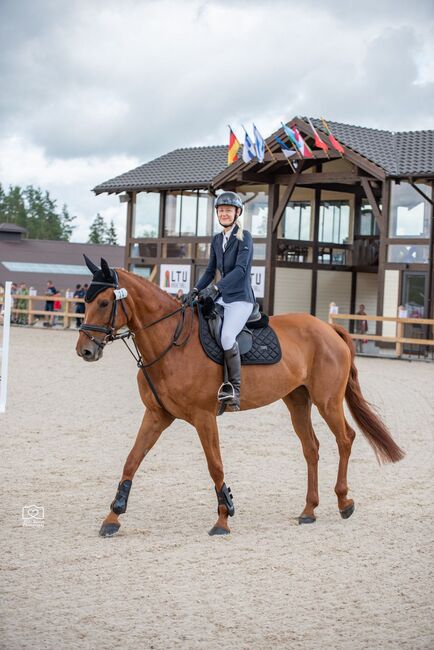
(229, 198)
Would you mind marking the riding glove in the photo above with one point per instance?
(210, 292)
(190, 296)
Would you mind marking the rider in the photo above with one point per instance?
(231, 254)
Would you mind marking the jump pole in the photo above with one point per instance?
(5, 346)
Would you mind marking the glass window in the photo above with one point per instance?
(143, 250)
(259, 251)
(203, 251)
(177, 250)
(205, 214)
(138, 269)
(172, 216)
(409, 211)
(412, 254)
(255, 213)
(188, 214)
(367, 225)
(146, 214)
(296, 220)
(334, 256)
(334, 221)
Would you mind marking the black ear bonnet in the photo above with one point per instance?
(103, 278)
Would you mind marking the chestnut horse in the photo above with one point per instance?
(178, 380)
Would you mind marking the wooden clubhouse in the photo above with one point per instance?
(348, 228)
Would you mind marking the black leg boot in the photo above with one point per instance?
(229, 392)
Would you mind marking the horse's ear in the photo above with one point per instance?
(90, 265)
(106, 269)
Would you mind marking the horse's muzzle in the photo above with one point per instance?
(89, 351)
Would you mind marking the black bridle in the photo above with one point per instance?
(112, 335)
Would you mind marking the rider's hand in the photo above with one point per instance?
(190, 297)
(210, 292)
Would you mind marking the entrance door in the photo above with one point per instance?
(414, 294)
(414, 299)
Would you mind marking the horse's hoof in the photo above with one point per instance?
(306, 519)
(108, 530)
(216, 530)
(347, 512)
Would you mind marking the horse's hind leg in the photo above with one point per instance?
(153, 424)
(206, 426)
(333, 413)
(299, 405)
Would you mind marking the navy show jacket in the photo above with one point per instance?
(234, 264)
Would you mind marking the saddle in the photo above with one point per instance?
(257, 341)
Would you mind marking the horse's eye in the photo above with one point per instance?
(104, 303)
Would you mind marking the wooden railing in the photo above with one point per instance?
(399, 339)
(66, 313)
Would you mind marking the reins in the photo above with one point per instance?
(111, 335)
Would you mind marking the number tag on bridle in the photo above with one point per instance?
(120, 294)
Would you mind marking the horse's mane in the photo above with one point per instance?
(148, 284)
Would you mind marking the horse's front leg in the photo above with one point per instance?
(207, 429)
(153, 424)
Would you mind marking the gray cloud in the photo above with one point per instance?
(91, 80)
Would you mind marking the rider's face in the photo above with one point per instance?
(226, 214)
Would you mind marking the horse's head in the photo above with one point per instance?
(105, 311)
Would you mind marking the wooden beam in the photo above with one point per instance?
(374, 205)
(253, 177)
(349, 154)
(285, 198)
(425, 196)
(333, 177)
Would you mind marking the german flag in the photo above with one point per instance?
(233, 148)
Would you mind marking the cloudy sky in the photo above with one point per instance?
(90, 89)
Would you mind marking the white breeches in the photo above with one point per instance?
(236, 315)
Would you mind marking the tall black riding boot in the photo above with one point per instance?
(229, 392)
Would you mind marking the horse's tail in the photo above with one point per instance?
(375, 431)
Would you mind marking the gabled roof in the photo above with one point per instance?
(187, 168)
(403, 153)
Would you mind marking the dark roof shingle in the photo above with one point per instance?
(188, 167)
(399, 154)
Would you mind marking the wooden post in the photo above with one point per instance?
(399, 335)
(66, 319)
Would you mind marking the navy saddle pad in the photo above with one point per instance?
(265, 347)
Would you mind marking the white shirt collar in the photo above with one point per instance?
(228, 233)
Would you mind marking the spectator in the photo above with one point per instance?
(79, 292)
(22, 304)
(57, 306)
(49, 304)
(361, 328)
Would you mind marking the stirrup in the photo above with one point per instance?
(226, 392)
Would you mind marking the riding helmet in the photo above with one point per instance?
(229, 198)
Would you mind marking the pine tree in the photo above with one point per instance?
(36, 211)
(98, 231)
(111, 235)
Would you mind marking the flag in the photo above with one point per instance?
(260, 144)
(335, 144)
(234, 146)
(318, 142)
(291, 135)
(304, 148)
(249, 149)
(287, 152)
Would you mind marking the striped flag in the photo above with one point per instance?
(318, 142)
(335, 144)
(304, 148)
(287, 152)
(291, 135)
(260, 144)
(233, 148)
(249, 149)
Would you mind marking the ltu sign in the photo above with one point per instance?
(258, 280)
(174, 277)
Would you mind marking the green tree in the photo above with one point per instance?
(98, 231)
(111, 236)
(36, 211)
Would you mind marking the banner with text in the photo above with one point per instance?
(258, 280)
(174, 277)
